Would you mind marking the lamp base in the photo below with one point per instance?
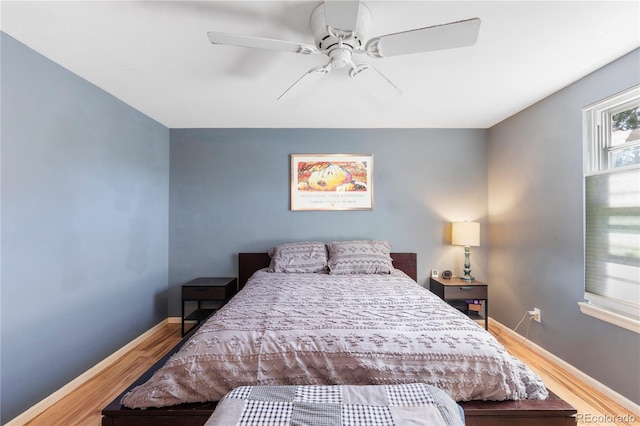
(467, 265)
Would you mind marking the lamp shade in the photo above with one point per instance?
(465, 233)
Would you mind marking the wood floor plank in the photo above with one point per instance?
(82, 407)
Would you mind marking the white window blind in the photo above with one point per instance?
(612, 235)
(612, 209)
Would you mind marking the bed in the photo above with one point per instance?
(548, 411)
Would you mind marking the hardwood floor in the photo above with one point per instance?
(83, 406)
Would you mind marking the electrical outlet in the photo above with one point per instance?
(537, 315)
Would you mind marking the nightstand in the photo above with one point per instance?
(210, 289)
(456, 292)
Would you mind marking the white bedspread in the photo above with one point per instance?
(298, 329)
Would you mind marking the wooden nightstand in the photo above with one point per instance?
(212, 289)
(456, 292)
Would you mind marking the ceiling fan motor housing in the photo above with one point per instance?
(327, 42)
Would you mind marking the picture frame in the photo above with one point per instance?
(331, 182)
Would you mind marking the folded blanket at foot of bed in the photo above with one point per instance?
(407, 404)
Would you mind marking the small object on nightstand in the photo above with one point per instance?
(446, 274)
(434, 273)
(460, 294)
(207, 289)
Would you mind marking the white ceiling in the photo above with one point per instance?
(155, 56)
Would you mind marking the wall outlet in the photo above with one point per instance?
(537, 315)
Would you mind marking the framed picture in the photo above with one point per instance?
(331, 182)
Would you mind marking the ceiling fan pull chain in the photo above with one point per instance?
(357, 69)
(323, 69)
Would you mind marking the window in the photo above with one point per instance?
(612, 210)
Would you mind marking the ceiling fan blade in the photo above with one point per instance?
(315, 71)
(341, 14)
(259, 43)
(446, 36)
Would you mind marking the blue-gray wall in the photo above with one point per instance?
(85, 196)
(536, 234)
(96, 239)
(230, 193)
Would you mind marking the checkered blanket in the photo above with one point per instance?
(370, 405)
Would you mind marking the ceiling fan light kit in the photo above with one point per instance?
(340, 30)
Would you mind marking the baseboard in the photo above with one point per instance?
(590, 381)
(37, 409)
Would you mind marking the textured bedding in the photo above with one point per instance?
(413, 404)
(323, 329)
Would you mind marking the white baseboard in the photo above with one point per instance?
(590, 381)
(37, 409)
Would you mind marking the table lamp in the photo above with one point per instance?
(466, 234)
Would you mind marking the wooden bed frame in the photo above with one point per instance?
(550, 412)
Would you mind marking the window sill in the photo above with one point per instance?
(610, 317)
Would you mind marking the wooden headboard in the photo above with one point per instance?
(248, 263)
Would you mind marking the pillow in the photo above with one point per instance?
(303, 257)
(360, 257)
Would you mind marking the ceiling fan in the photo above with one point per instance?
(340, 30)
